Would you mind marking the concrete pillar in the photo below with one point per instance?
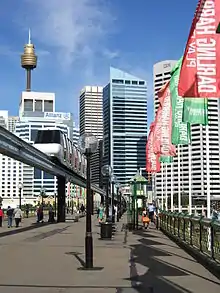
(61, 196)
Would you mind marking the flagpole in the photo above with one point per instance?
(166, 196)
(162, 198)
(153, 186)
(171, 186)
(179, 183)
(190, 179)
(208, 173)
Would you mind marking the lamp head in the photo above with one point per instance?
(106, 170)
(88, 143)
(20, 185)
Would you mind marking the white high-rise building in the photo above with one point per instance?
(91, 121)
(11, 171)
(161, 74)
(37, 111)
(75, 134)
(33, 178)
(90, 111)
(36, 102)
(177, 173)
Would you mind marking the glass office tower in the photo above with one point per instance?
(125, 124)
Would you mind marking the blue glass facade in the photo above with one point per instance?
(125, 124)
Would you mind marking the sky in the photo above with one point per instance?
(78, 40)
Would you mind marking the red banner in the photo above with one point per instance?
(157, 131)
(152, 159)
(166, 149)
(200, 72)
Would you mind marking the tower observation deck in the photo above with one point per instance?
(29, 61)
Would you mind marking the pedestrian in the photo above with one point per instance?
(27, 211)
(145, 219)
(82, 209)
(1, 216)
(101, 213)
(151, 210)
(116, 212)
(18, 216)
(10, 216)
(51, 215)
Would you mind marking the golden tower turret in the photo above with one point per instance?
(29, 61)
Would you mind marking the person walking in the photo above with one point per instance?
(10, 216)
(101, 213)
(145, 219)
(151, 210)
(18, 216)
(27, 211)
(1, 216)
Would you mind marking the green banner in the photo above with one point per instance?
(195, 111)
(180, 129)
(166, 159)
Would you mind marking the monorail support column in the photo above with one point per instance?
(61, 199)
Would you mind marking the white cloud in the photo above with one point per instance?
(110, 54)
(69, 27)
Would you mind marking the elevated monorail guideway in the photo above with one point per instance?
(16, 148)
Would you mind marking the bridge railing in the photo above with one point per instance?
(200, 233)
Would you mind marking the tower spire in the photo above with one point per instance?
(28, 60)
(29, 36)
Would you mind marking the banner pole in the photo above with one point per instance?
(171, 186)
(190, 179)
(179, 183)
(162, 186)
(166, 196)
(208, 173)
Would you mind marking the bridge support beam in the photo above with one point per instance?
(61, 199)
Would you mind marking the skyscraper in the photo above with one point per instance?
(75, 133)
(161, 75)
(27, 128)
(125, 124)
(205, 173)
(90, 111)
(10, 170)
(91, 121)
(36, 102)
(37, 111)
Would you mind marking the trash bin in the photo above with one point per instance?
(106, 230)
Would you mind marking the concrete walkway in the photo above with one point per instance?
(47, 260)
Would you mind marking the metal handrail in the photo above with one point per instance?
(199, 232)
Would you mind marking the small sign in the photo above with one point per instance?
(57, 115)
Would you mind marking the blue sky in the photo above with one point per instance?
(78, 40)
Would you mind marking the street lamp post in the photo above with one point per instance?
(114, 181)
(42, 193)
(55, 205)
(118, 201)
(88, 144)
(107, 172)
(20, 186)
(120, 195)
